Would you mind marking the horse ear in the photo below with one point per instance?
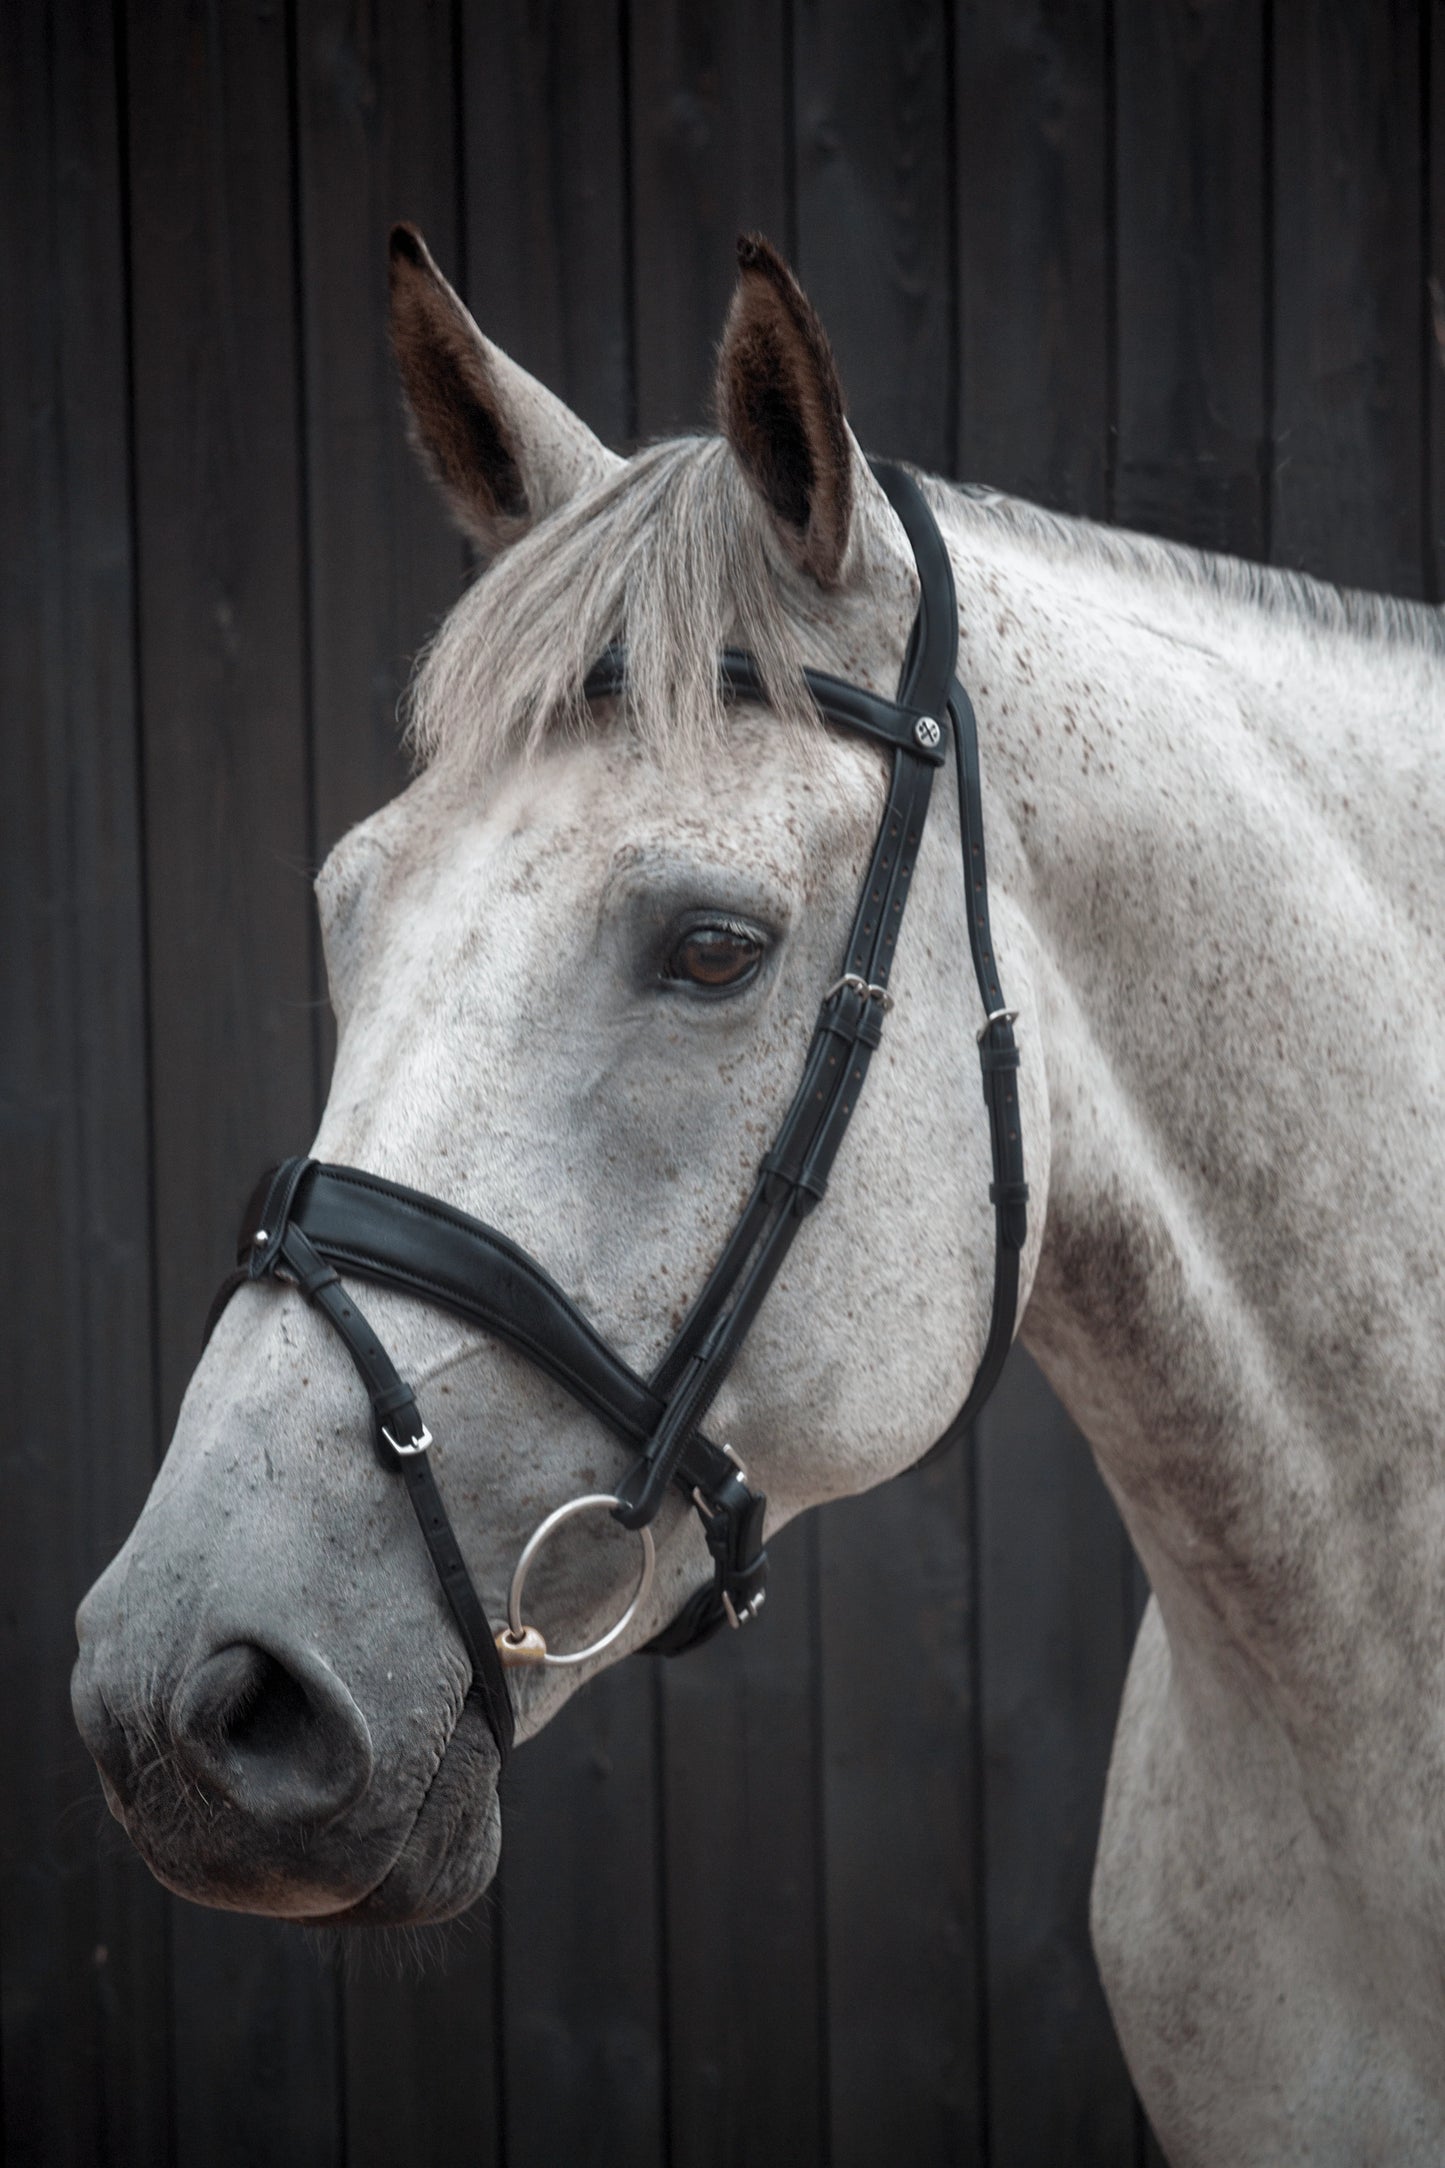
(504, 451)
(781, 409)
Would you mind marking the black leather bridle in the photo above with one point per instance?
(318, 1226)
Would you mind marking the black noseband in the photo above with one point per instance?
(317, 1226)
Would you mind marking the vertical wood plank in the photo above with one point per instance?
(579, 1904)
(875, 244)
(1054, 1637)
(218, 462)
(377, 97)
(710, 134)
(84, 2044)
(903, 1929)
(376, 90)
(421, 2041)
(548, 260)
(1348, 499)
(710, 160)
(583, 1997)
(744, 1915)
(1034, 250)
(1192, 243)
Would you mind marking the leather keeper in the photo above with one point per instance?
(269, 1211)
(1011, 1200)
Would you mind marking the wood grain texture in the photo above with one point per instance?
(219, 461)
(84, 2045)
(874, 214)
(1191, 243)
(1349, 293)
(548, 260)
(1032, 189)
(580, 1912)
(423, 2078)
(741, 1784)
(903, 1934)
(377, 99)
(711, 158)
(1054, 1638)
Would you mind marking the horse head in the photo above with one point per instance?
(576, 969)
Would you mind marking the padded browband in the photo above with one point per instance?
(312, 1223)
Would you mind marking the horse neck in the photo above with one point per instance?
(1199, 915)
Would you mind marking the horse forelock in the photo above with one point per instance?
(672, 555)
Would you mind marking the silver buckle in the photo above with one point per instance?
(860, 987)
(417, 1445)
(704, 1507)
(996, 1016)
(749, 1610)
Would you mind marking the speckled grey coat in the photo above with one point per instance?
(1216, 809)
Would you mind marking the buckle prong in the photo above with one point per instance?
(414, 1445)
(855, 984)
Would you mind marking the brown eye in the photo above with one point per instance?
(715, 957)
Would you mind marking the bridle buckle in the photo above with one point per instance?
(852, 983)
(413, 1445)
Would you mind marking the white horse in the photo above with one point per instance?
(574, 968)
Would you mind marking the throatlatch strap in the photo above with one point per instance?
(999, 1060)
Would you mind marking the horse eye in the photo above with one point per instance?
(715, 957)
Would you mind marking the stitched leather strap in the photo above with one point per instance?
(999, 1061)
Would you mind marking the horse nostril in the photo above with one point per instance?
(278, 1736)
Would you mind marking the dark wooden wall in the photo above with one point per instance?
(817, 1895)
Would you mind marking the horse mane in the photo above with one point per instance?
(672, 554)
(1295, 598)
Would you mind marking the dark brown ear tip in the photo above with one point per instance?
(408, 244)
(756, 253)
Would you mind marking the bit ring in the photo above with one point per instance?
(523, 1644)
